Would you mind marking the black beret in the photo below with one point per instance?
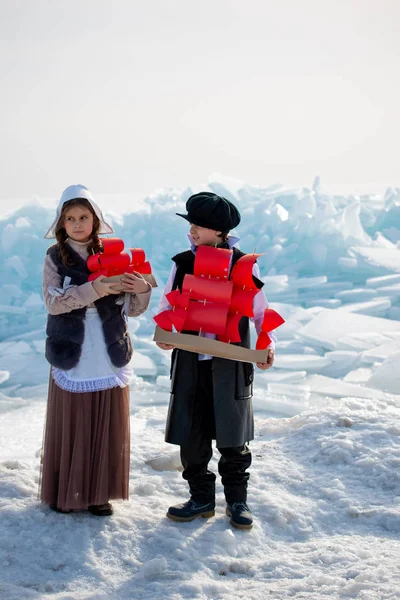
(212, 211)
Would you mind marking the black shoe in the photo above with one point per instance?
(103, 510)
(190, 510)
(240, 515)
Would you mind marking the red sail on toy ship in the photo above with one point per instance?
(113, 262)
(211, 302)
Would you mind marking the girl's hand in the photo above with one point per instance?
(165, 346)
(134, 283)
(270, 361)
(103, 288)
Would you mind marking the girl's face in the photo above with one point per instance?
(78, 223)
(203, 236)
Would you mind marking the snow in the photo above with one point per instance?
(326, 497)
(325, 483)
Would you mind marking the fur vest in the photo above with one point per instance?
(65, 332)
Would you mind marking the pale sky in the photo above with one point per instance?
(128, 96)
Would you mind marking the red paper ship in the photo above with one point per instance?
(113, 261)
(212, 303)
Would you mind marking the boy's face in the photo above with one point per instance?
(203, 236)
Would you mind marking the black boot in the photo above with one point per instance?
(240, 515)
(191, 510)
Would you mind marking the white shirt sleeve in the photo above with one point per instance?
(164, 304)
(260, 303)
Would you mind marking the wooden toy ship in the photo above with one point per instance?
(113, 262)
(212, 302)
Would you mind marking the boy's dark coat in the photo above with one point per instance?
(66, 332)
(232, 383)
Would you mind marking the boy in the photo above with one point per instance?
(211, 397)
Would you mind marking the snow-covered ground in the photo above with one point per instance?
(325, 479)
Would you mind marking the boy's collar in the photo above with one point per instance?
(232, 240)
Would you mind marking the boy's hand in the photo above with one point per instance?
(134, 283)
(270, 361)
(165, 346)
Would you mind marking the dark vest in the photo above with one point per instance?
(66, 332)
(232, 382)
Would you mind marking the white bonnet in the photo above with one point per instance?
(71, 193)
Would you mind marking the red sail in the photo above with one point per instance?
(113, 261)
(100, 273)
(139, 262)
(204, 302)
(242, 272)
(244, 290)
(242, 302)
(206, 317)
(112, 245)
(138, 255)
(271, 321)
(93, 263)
(178, 299)
(193, 315)
(212, 262)
(231, 334)
(208, 289)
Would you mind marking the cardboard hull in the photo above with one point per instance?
(201, 345)
(117, 279)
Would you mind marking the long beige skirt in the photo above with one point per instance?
(86, 448)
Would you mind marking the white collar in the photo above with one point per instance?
(76, 243)
(232, 240)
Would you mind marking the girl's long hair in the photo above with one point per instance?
(61, 234)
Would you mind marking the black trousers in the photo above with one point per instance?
(196, 454)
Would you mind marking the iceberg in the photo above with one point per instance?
(381, 353)
(331, 267)
(378, 282)
(308, 362)
(387, 259)
(143, 365)
(356, 295)
(330, 327)
(374, 308)
(387, 376)
(327, 386)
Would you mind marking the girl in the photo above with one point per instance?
(87, 440)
